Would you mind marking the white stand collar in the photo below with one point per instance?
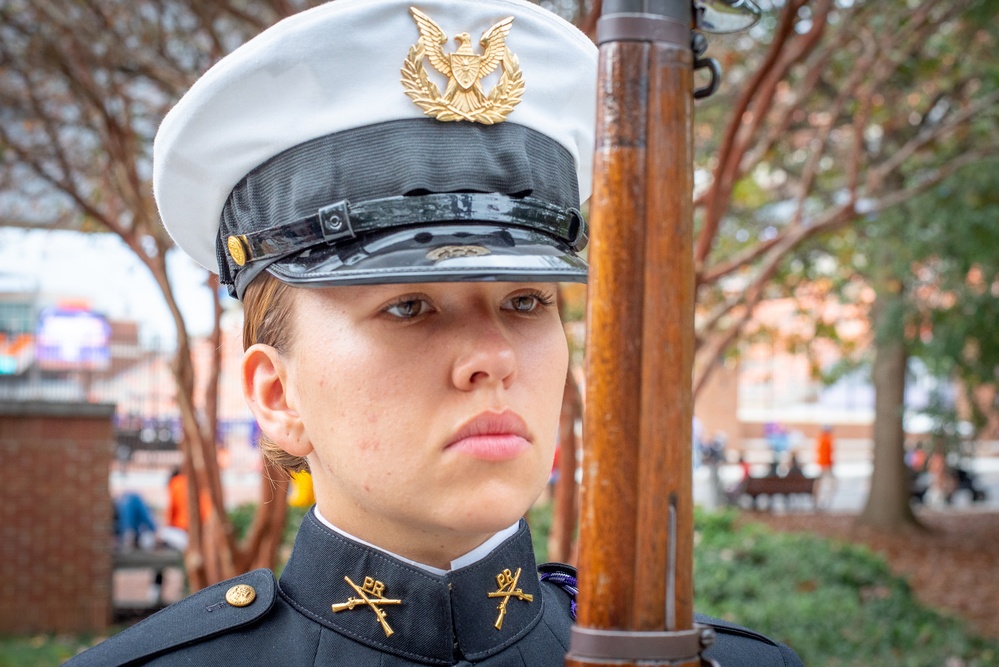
(473, 556)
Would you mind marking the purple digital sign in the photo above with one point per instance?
(70, 339)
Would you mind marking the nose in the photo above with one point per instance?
(486, 356)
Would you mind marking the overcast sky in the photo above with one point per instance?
(100, 269)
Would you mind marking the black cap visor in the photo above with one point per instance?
(436, 253)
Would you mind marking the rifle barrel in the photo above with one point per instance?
(637, 472)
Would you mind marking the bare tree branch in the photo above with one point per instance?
(877, 175)
(727, 158)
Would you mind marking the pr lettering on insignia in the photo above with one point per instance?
(369, 594)
(507, 583)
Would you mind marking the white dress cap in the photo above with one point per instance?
(334, 92)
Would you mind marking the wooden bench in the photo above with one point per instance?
(771, 487)
(155, 560)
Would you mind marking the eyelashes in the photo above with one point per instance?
(408, 307)
(525, 302)
(535, 300)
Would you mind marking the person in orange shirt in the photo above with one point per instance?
(824, 459)
(177, 518)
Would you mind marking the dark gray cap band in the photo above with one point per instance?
(399, 158)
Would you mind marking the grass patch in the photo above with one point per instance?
(41, 650)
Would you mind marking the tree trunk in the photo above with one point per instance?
(263, 540)
(887, 506)
(80, 94)
(212, 554)
(564, 514)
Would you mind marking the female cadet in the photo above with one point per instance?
(394, 214)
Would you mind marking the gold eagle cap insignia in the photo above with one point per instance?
(463, 98)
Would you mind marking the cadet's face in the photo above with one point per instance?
(431, 409)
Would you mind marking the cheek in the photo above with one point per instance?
(547, 363)
(356, 406)
(334, 402)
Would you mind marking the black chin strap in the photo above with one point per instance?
(345, 220)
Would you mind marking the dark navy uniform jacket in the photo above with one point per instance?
(342, 603)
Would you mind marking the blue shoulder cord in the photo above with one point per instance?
(563, 576)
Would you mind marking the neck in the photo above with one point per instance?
(437, 556)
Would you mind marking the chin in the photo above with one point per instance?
(492, 509)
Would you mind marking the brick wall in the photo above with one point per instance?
(55, 517)
(717, 405)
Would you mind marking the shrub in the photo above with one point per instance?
(836, 604)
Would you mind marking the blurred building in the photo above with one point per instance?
(60, 350)
(803, 363)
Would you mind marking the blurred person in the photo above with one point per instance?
(135, 527)
(713, 455)
(793, 466)
(824, 460)
(943, 481)
(697, 440)
(735, 490)
(177, 515)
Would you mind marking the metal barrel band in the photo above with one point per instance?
(681, 645)
(642, 28)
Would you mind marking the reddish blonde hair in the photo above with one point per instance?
(267, 305)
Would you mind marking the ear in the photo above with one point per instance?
(271, 399)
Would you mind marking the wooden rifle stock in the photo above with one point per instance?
(635, 600)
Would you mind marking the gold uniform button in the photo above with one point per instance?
(240, 595)
(237, 250)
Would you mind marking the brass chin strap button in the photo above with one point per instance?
(237, 249)
(240, 595)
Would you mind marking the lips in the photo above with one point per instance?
(491, 436)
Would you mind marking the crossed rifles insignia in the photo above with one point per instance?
(507, 583)
(464, 98)
(370, 594)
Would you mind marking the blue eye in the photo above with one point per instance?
(524, 304)
(529, 302)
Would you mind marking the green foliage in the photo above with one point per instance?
(837, 605)
(961, 223)
(292, 522)
(539, 519)
(242, 516)
(40, 650)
